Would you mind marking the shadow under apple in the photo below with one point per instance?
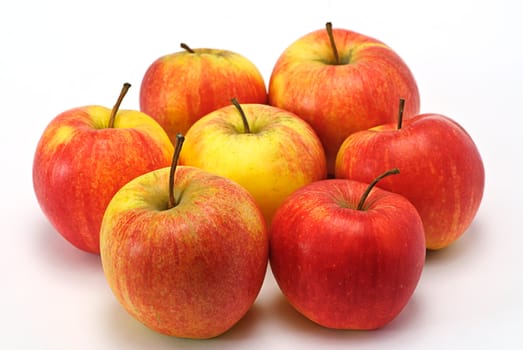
(56, 252)
(127, 332)
(472, 241)
(299, 325)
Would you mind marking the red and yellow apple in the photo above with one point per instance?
(442, 170)
(341, 82)
(189, 267)
(84, 156)
(179, 88)
(269, 151)
(347, 255)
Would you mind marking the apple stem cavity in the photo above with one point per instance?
(186, 47)
(400, 113)
(246, 127)
(328, 26)
(178, 147)
(114, 111)
(373, 183)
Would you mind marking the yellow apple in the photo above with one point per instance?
(269, 151)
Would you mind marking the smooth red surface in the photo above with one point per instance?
(341, 267)
(442, 172)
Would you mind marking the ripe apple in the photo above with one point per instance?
(179, 88)
(442, 171)
(341, 82)
(184, 251)
(84, 156)
(269, 151)
(347, 255)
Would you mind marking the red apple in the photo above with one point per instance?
(442, 171)
(184, 251)
(346, 258)
(269, 151)
(341, 82)
(84, 156)
(179, 88)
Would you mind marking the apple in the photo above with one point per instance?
(179, 88)
(185, 252)
(341, 82)
(269, 151)
(442, 170)
(345, 254)
(84, 156)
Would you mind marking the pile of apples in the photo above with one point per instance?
(330, 173)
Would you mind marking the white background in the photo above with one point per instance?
(467, 58)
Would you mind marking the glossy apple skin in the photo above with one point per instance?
(442, 172)
(344, 268)
(80, 163)
(338, 100)
(191, 271)
(179, 88)
(281, 154)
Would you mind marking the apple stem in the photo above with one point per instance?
(179, 142)
(116, 107)
(246, 128)
(186, 47)
(373, 183)
(328, 26)
(400, 114)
